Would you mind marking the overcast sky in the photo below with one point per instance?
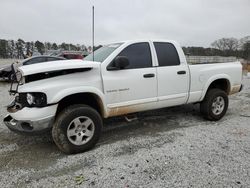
(190, 22)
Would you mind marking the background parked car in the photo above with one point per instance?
(6, 70)
(70, 55)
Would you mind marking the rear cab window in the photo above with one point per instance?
(166, 54)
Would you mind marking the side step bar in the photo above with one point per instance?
(131, 117)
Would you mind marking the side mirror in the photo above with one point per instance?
(120, 62)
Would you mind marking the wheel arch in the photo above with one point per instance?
(221, 82)
(89, 98)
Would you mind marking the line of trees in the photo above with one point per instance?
(222, 47)
(20, 49)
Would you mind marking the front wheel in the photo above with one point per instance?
(214, 105)
(77, 129)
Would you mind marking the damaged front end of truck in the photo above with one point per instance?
(33, 87)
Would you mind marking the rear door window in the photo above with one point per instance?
(166, 54)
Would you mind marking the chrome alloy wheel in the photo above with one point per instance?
(80, 130)
(218, 105)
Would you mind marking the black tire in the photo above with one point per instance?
(206, 106)
(64, 120)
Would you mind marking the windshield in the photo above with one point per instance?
(102, 53)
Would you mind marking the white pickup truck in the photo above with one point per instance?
(72, 97)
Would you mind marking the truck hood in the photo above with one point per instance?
(57, 66)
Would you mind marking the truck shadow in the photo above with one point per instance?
(17, 151)
(150, 123)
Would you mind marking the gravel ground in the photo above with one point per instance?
(172, 147)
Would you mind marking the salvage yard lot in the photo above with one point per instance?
(8, 61)
(171, 147)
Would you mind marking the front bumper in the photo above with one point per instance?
(30, 127)
(31, 120)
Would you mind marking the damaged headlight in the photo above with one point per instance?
(36, 99)
(27, 100)
(30, 98)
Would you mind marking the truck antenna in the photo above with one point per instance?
(93, 31)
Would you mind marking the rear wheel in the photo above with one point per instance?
(214, 105)
(77, 129)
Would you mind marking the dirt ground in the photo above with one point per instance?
(172, 147)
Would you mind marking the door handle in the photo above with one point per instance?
(148, 75)
(181, 72)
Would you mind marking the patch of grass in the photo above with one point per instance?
(79, 179)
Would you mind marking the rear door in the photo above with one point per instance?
(136, 84)
(173, 75)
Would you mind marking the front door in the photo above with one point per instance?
(133, 88)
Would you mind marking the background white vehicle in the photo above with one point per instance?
(126, 77)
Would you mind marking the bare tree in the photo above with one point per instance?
(246, 50)
(232, 44)
(219, 44)
(20, 48)
(243, 41)
(226, 44)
